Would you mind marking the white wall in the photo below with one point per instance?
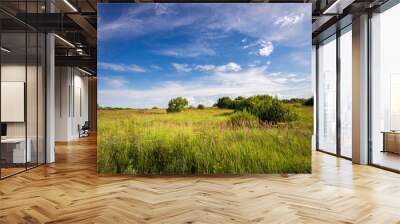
(62, 82)
(71, 102)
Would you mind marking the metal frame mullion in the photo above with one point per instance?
(316, 100)
(338, 77)
(369, 90)
(26, 87)
(37, 91)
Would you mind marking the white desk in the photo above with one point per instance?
(19, 155)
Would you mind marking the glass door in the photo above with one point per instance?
(22, 78)
(327, 95)
(385, 89)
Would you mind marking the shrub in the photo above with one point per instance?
(274, 111)
(309, 102)
(201, 107)
(225, 102)
(243, 119)
(154, 108)
(266, 108)
(240, 103)
(177, 104)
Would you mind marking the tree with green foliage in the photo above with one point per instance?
(177, 104)
(239, 103)
(201, 107)
(225, 102)
(273, 111)
(266, 108)
(309, 102)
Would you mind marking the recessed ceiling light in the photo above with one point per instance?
(70, 5)
(5, 50)
(64, 40)
(86, 72)
(337, 7)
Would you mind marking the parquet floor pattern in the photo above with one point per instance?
(70, 191)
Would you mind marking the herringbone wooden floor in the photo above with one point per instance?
(70, 191)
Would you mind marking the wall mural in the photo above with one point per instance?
(204, 89)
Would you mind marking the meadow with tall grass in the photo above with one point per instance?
(201, 141)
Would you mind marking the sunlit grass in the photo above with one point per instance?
(199, 142)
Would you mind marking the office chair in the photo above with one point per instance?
(84, 130)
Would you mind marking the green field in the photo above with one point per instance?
(151, 141)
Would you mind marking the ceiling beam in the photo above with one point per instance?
(86, 26)
(78, 61)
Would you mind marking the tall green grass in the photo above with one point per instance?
(199, 142)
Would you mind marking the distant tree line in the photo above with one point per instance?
(239, 102)
(113, 108)
(263, 107)
(302, 101)
(309, 102)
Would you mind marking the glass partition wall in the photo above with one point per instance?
(327, 95)
(385, 89)
(345, 61)
(22, 78)
(334, 94)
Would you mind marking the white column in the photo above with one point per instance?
(50, 99)
(360, 90)
(50, 92)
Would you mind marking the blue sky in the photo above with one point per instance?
(150, 53)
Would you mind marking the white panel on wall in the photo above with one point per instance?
(12, 101)
(395, 102)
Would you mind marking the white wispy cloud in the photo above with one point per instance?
(114, 82)
(300, 58)
(288, 29)
(254, 63)
(263, 47)
(205, 68)
(121, 67)
(143, 19)
(246, 19)
(207, 89)
(230, 67)
(266, 48)
(155, 67)
(192, 50)
(182, 67)
(289, 20)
